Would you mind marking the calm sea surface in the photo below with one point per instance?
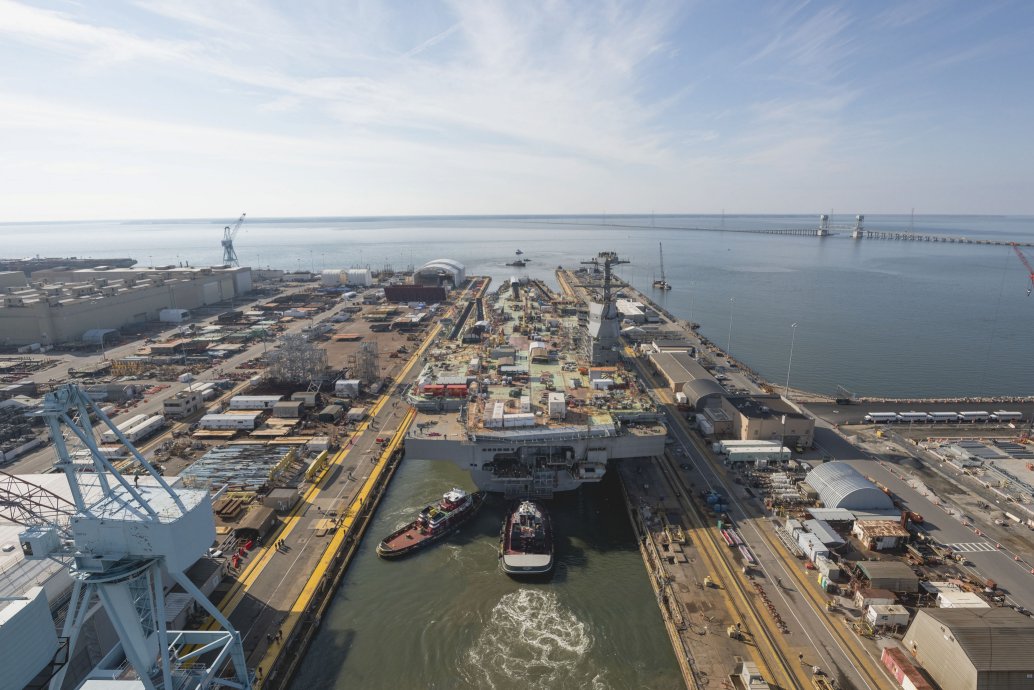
(878, 317)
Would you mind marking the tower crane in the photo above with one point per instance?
(124, 539)
(229, 253)
(1030, 269)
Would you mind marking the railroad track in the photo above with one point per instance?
(772, 661)
(859, 659)
(863, 664)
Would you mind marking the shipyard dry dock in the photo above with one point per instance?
(515, 400)
(535, 393)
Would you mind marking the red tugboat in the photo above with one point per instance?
(434, 522)
(526, 542)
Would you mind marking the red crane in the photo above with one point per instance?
(1030, 269)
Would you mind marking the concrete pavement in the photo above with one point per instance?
(943, 516)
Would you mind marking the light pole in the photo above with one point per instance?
(728, 346)
(793, 337)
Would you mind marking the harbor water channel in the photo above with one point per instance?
(447, 617)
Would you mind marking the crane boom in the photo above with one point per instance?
(237, 227)
(29, 504)
(1026, 263)
(229, 253)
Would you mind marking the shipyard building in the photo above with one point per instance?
(756, 417)
(967, 649)
(839, 485)
(63, 305)
(431, 282)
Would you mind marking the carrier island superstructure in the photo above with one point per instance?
(532, 396)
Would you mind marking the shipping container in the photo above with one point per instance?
(146, 428)
(108, 436)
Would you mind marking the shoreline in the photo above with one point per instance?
(802, 396)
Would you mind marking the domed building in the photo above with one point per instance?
(842, 486)
(440, 271)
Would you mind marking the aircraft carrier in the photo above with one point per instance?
(533, 397)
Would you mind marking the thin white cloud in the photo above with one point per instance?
(454, 106)
(60, 32)
(431, 42)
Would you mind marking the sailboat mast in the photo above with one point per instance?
(660, 245)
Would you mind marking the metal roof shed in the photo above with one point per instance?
(966, 649)
(842, 486)
(892, 575)
(831, 514)
(257, 523)
(823, 531)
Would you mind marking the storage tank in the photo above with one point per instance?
(359, 276)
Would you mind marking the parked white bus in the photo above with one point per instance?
(974, 416)
(881, 417)
(1003, 416)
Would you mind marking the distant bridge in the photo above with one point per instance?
(823, 229)
(924, 237)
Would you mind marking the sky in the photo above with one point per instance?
(198, 109)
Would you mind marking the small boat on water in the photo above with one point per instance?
(663, 283)
(519, 263)
(526, 541)
(518, 252)
(433, 523)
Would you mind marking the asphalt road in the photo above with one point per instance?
(1013, 577)
(853, 414)
(825, 649)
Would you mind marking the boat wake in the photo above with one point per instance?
(531, 641)
(403, 515)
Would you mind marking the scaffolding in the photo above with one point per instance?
(296, 361)
(367, 363)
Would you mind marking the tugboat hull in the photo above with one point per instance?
(526, 541)
(415, 536)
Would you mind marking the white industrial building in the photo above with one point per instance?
(886, 615)
(440, 270)
(759, 455)
(357, 276)
(230, 421)
(58, 305)
(332, 277)
(959, 599)
(183, 404)
(254, 402)
(842, 486)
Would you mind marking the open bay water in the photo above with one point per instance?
(879, 317)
